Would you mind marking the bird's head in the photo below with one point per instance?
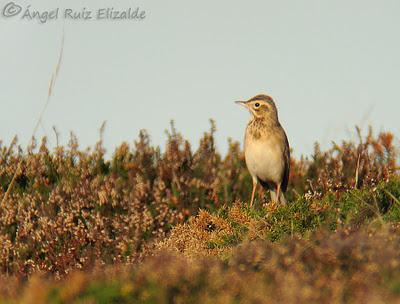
(261, 106)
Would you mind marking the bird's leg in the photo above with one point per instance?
(278, 193)
(254, 191)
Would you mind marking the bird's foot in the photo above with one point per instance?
(271, 206)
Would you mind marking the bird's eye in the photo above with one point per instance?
(256, 105)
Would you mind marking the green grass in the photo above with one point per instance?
(352, 209)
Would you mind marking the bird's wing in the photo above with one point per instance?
(286, 156)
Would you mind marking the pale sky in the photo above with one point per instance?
(329, 65)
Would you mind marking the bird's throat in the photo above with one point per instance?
(261, 126)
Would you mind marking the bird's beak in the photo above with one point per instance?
(241, 102)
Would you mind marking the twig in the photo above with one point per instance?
(39, 121)
(358, 167)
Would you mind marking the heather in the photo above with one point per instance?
(173, 225)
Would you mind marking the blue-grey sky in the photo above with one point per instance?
(329, 65)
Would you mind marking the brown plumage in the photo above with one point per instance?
(266, 148)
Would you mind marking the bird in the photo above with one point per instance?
(266, 148)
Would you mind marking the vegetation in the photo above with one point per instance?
(148, 226)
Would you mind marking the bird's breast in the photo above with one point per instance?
(264, 158)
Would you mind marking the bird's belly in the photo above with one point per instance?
(264, 159)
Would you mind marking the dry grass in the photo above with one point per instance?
(72, 209)
(344, 267)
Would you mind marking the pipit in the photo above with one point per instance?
(266, 148)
